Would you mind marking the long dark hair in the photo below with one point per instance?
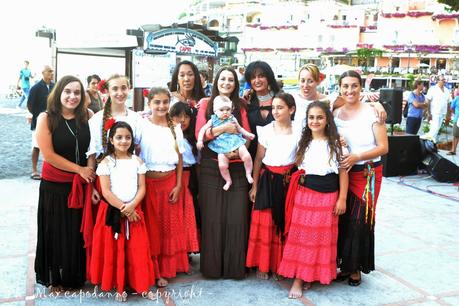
(111, 134)
(54, 105)
(234, 97)
(267, 72)
(331, 132)
(198, 92)
(288, 99)
(183, 108)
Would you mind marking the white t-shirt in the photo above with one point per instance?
(317, 160)
(280, 149)
(123, 175)
(95, 127)
(438, 100)
(358, 132)
(158, 146)
(188, 157)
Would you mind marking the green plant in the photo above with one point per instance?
(396, 128)
(426, 128)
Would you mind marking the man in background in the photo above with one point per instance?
(438, 97)
(24, 82)
(36, 104)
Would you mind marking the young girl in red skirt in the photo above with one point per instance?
(185, 115)
(315, 199)
(275, 160)
(161, 147)
(121, 254)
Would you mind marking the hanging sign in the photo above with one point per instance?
(180, 41)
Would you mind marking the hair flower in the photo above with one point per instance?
(102, 86)
(146, 91)
(109, 123)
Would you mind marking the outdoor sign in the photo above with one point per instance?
(180, 41)
(151, 70)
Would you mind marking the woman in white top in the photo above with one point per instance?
(315, 198)
(275, 161)
(161, 147)
(309, 78)
(367, 141)
(114, 109)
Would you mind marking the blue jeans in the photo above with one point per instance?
(412, 125)
(25, 95)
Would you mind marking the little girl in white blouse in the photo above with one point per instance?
(120, 241)
(161, 148)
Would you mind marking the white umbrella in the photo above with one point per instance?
(338, 69)
(423, 65)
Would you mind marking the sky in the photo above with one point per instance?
(71, 19)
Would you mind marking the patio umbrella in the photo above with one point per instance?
(423, 65)
(339, 69)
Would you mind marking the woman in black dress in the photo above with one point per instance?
(263, 87)
(63, 137)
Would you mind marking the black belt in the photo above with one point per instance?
(357, 168)
(321, 183)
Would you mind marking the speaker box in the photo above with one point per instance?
(440, 168)
(391, 100)
(404, 155)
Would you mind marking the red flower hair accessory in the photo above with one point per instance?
(102, 86)
(146, 91)
(109, 123)
(321, 76)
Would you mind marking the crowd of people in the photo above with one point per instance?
(253, 179)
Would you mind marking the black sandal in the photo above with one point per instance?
(355, 282)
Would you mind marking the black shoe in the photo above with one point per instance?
(354, 282)
(342, 276)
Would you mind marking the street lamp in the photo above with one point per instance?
(51, 35)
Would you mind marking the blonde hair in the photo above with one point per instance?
(108, 107)
(313, 70)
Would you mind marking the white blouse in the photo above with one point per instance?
(358, 132)
(123, 175)
(280, 149)
(158, 146)
(95, 127)
(188, 157)
(317, 160)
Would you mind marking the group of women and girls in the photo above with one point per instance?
(125, 198)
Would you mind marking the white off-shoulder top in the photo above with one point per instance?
(123, 175)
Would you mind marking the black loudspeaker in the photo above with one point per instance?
(404, 155)
(440, 168)
(391, 100)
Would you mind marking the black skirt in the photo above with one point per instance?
(356, 238)
(60, 257)
(224, 221)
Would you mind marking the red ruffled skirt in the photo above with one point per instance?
(116, 263)
(165, 227)
(192, 241)
(265, 245)
(311, 245)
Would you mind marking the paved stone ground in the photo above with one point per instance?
(417, 249)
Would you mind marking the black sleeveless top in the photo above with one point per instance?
(64, 142)
(256, 119)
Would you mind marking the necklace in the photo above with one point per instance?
(265, 97)
(77, 150)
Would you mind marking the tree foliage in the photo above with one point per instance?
(365, 54)
(453, 4)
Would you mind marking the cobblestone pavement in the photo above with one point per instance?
(15, 142)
